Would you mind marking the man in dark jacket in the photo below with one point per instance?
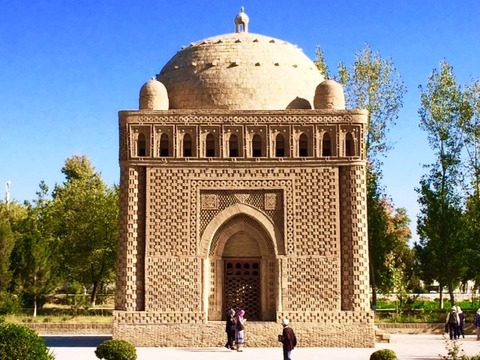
(288, 339)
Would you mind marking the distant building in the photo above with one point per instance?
(242, 186)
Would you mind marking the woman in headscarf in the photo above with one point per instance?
(230, 329)
(240, 329)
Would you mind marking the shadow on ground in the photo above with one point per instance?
(75, 341)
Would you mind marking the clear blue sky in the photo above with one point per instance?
(68, 67)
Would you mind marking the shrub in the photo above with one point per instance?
(116, 350)
(384, 354)
(9, 304)
(19, 342)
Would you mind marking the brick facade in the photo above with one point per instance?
(264, 209)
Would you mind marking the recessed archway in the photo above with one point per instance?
(240, 266)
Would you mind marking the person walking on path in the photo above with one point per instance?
(230, 329)
(452, 322)
(240, 329)
(477, 323)
(288, 340)
(461, 322)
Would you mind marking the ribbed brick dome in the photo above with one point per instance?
(240, 71)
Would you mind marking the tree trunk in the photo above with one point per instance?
(34, 305)
(93, 296)
(440, 289)
(450, 292)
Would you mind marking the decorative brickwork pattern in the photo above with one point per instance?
(316, 212)
(168, 226)
(350, 331)
(353, 204)
(173, 285)
(315, 279)
(243, 192)
(301, 218)
(132, 241)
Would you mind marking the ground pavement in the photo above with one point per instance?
(407, 347)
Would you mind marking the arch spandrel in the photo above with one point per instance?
(210, 240)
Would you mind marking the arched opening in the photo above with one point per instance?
(326, 145)
(210, 146)
(241, 264)
(279, 146)
(257, 146)
(233, 146)
(349, 144)
(303, 145)
(164, 146)
(187, 145)
(141, 145)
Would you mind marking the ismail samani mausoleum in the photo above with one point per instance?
(242, 186)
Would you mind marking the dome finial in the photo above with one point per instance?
(241, 21)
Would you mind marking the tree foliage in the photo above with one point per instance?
(7, 241)
(35, 265)
(391, 260)
(373, 83)
(443, 109)
(87, 228)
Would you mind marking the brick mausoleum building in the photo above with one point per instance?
(242, 185)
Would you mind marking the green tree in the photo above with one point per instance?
(87, 212)
(388, 239)
(35, 267)
(472, 233)
(443, 109)
(373, 83)
(7, 241)
(321, 63)
(470, 128)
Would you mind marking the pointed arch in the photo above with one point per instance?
(210, 146)
(279, 145)
(326, 145)
(187, 145)
(349, 144)
(164, 145)
(303, 145)
(239, 209)
(141, 145)
(233, 148)
(257, 146)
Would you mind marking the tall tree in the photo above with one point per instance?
(389, 235)
(87, 210)
(443, 109)
(470, 128)
(373, 83)
(7, 241)
(35, 267)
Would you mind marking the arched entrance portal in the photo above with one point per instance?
(242, 269)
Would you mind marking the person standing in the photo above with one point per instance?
(461, 322)
(452, 322)
(240, 329)
(230, 329)
(477, 323)
(288, 340)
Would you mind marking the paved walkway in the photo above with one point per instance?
(407, 347)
